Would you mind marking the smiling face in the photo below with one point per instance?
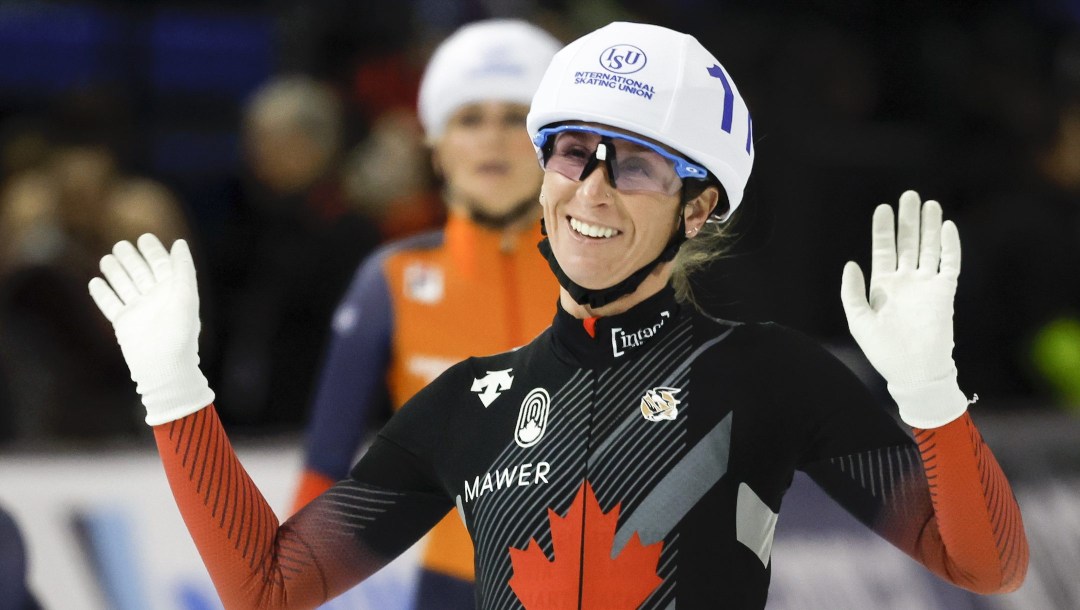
(601, 235)
(486, 158)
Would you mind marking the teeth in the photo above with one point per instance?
(592, 230)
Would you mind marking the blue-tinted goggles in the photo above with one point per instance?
(633, 164)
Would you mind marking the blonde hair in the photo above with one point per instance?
(709, 245)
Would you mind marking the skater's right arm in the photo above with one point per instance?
(343, 536)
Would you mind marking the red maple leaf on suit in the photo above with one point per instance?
(583, 563)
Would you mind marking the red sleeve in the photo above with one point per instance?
(340, 538)
(975, 538)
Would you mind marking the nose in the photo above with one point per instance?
(491, 132)
(596, 187)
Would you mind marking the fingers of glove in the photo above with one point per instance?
(135, 265)
(930, 240)
(118, 278)
(182, 264)
(105, 298)
(883, 242)
(853, 292)
(907, 231)
(156, 256)
(950, 250)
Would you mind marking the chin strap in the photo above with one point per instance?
(603, 296)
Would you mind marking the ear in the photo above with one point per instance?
(697, 210)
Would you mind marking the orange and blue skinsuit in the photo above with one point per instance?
(416, 307)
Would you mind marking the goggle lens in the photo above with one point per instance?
(636, 164)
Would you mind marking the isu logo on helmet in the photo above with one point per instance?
(659, 404)
(623, 59)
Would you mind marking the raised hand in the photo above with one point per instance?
(905, 328)
(151, 298)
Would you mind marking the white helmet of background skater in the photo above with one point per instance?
(492, 60)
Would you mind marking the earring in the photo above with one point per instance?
(691, 231)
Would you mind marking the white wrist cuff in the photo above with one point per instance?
(178, 395)
(930, 405)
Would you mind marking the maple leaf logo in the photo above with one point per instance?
(611, 583)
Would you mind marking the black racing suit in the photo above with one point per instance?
(638, 460)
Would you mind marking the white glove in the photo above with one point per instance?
(906, 328)
(153, 303)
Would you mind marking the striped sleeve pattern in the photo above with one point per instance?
(978, 540)
(254, 561)
(943, 500)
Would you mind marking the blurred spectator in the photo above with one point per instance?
(44, 338)
(388, 177)
(68, 186)
(59, 207)
(30, 229)
(139, 205)
(284, 257)
(25, 145)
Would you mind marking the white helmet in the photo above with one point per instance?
(658, 83)
(496, 59)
